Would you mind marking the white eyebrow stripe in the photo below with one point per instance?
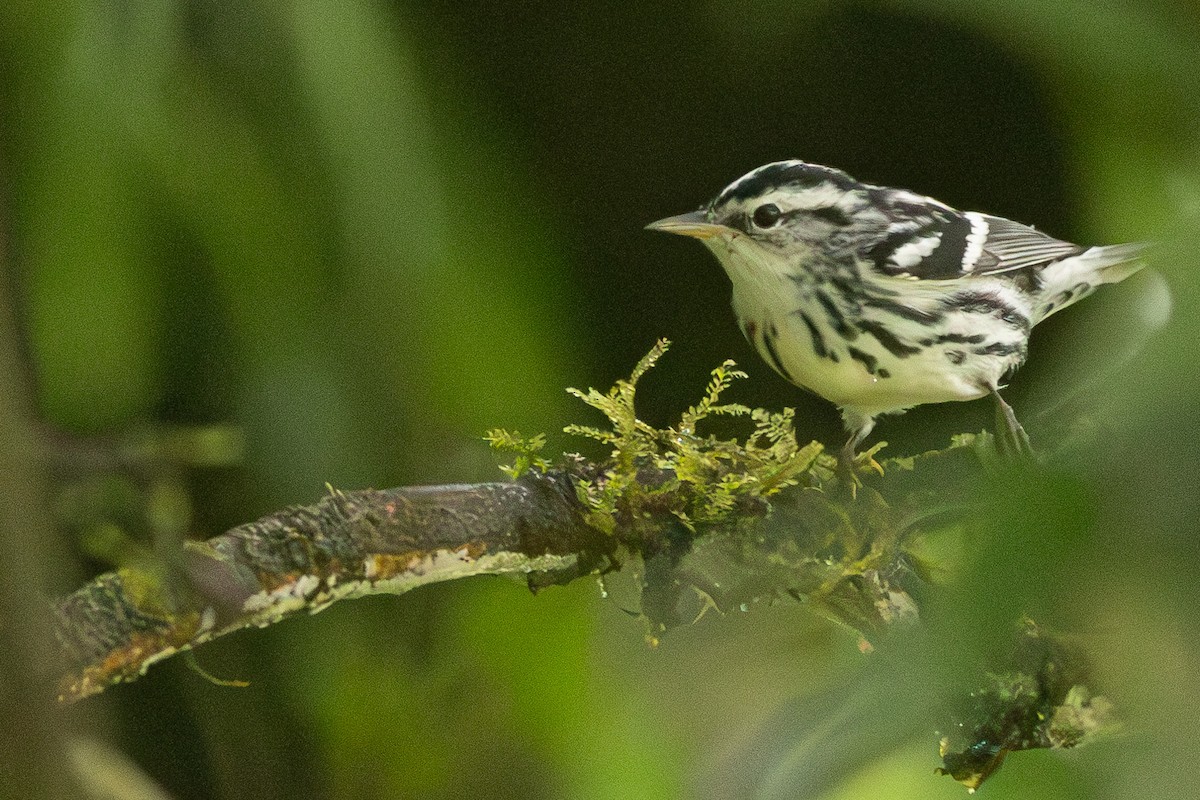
(823, 195)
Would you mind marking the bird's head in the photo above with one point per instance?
(780, 214)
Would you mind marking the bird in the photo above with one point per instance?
(881, 299)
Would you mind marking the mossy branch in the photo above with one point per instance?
(700, 522)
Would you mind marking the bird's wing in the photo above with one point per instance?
(1009, 246)
(930, 241)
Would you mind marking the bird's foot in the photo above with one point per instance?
(849, 464)
(1011, 440)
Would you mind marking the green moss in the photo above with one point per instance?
(699, 479)
(526, 451)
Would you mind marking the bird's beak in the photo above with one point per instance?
(693, 224)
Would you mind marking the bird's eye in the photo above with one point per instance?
(767, 215)
(833, 215)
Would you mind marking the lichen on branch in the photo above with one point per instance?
(1035, 698)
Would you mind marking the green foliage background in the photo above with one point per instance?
(366, 232)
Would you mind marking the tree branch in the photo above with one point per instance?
(304, 558)
(694, 522)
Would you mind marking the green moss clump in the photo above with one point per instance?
(699, 479)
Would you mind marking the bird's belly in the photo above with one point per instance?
(863, 373)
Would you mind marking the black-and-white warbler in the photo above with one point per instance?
(880, 299)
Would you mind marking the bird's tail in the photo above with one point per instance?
(1112, 263)
(1070, 280)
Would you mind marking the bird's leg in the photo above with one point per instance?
(860, 426)
(1011, 439)
(845, 468)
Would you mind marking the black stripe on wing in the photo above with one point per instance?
(1013, 246)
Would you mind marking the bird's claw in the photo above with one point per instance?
(1011, 439)
(868, 462)
(851, 463)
